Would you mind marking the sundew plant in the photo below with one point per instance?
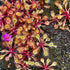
(23, 40)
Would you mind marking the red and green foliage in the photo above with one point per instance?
(20, 22)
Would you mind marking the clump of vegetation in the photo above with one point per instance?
(22, 36)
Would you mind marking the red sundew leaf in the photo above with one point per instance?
(34, 5)
(47, 7)
(1, 16)
(10, 12)
(62, 27)
(36, 51)
(7, 58)
(20, 49)
(52, 14)
(14, 19)
(58, 4)
(46, 51)
(65, 3)
(29, 20)
(26, 6)
(13, 8)
(41, 11)
(19, 14)
(7, 26)
(47, 23)
(7, 3)
(1, 27)
(4, 9)
(45, 17)
(37, 31)
(41, 2)
(47, 1)
(16, 60)
(37, 64)
(2, 56)
(8, 20)
(56, 26)
(17, 5)
(18, 56)
(29, 62)
(31, 44)
(59, 16)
